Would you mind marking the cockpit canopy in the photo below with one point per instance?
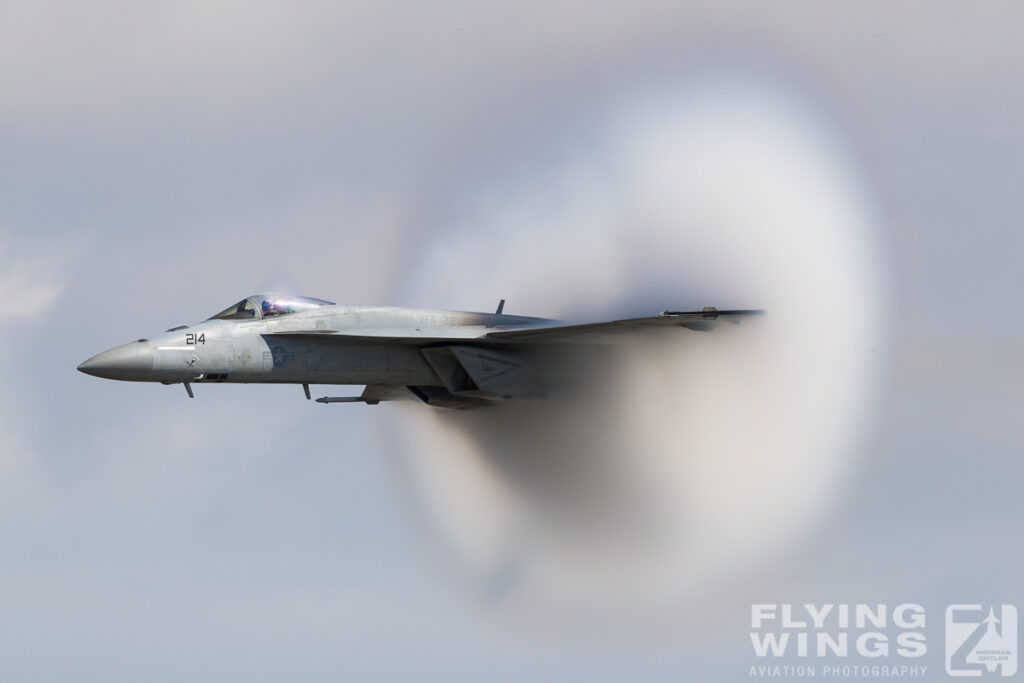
(269, 305)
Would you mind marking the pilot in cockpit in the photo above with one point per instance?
(272, 307)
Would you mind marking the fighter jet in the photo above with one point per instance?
(446, 359)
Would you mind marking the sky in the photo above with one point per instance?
(855, 168)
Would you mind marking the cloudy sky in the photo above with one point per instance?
(160, 161)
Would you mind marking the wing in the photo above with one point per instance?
(553, 331)
(478, 365)
(702, 320)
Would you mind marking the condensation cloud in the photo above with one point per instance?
(701, 453)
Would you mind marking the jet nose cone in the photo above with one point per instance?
(130, 362)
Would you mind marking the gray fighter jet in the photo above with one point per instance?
(449, 359)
